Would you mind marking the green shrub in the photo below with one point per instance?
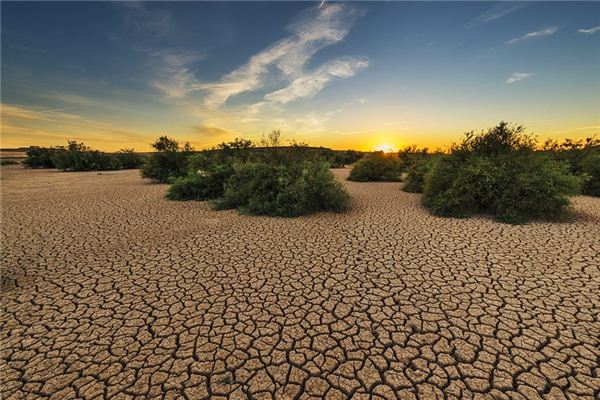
(376, 167)
(203, 185)
(271, 180)
(533, 186)
(78, 157)
(339, 159)
(583, 158)
(170, 160)
(411, 155)
(498, 173)
(501, 139)
(458, 188)
(283, 190)
(128, 159)
(9, 162)
(40, 157)
(416, 174)
(590, 165)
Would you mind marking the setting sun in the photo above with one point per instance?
(386, 148)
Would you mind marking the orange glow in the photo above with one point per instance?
(386, 148)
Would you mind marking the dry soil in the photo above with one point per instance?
(111, 291)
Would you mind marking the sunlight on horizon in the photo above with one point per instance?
(386, 148)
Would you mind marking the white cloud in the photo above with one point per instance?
(496, 12)
(589, 31)
(175, 66)
(536, 34)
(518, 76)
(311, 83)
(285, 60)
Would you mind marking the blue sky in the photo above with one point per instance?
(343, 75)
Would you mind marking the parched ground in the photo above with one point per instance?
(111, 291)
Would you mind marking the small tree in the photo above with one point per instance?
(170, 160)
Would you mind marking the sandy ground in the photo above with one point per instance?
(111, 291)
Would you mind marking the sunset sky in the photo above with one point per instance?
(342, 75)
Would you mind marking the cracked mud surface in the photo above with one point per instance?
(111, 291)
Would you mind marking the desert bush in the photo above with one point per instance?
(170, 160)
(376, 167)
(534, 186)
(202, 185)
(501, 139)
(583, 158)
(411, 155)
(458, 188)
(416, 174)
(283, 190)
(79, 157)
(128, 159)
(40, 157)
(340, 159)
(590, 166)
(238, 149)
(497, 172)
(9, 162)
(270, 180)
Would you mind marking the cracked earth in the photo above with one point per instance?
(111, 291)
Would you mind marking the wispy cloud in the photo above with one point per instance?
(313, 82)
(210, 131)
(589, 31)
(518, 76)
(23, 125)
(285, 60)
(176, 75)
(537, 34)
(496, 12)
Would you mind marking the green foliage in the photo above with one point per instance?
(203, 185)
(78, 157)
(340, 159)
(416, 174)
(40, 157)
(458, 187)
(376, 167)
(283, 190)
(270, 180)
(9, 162)
(502, 176)
(534, 186)
(501, 139)
(583, 158)
(128, 159)
(166, 144)
(590, 166)
(410, 155)
(170, 160)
